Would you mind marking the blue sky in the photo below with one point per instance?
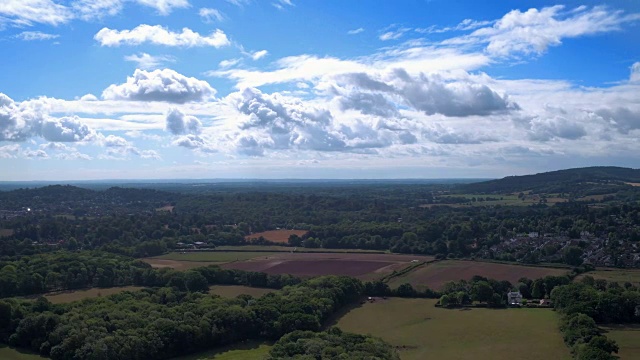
(109, 89)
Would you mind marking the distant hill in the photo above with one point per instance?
(559, 181)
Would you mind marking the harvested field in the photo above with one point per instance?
(419, 331)
(168, 208)
(435, 275)
(69, 296)
(628, 339)
(363, 266)
(280, 236)
(632, 184)
(231, 291)
(6, 232)
(616, 275)
(177, 264)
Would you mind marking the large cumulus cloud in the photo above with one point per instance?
(430, 94)
(179, 123)
(18, 122)
(160, 85)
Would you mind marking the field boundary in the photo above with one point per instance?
(406, 270)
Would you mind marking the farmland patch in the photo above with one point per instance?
(435, 275)
(75, 295)
(280, 236)
(421, 331)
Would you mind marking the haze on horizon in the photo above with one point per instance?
(294, 89)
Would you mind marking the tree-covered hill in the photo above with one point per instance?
(560, 181)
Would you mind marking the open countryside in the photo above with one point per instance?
(436, 274)
(278, 236)
(628, 339)
(419, 331)
(76, 295)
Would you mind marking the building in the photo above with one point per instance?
(514, 298)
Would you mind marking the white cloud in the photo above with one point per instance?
(9, 151)
(229, 63)
(429, 94)
(35, 35)
(355, 31)
(238, 3)
(35, 154)
(393, 34)
(66, 129)
(74, 155)
(28, 12)
(160, 35)
(160, 85)
(534, 31)
(149, 62)
(209, 15)
(97, 9)
(259, 54)
(464, 25)
(164, 7)
(114, 141)
(281, 4)
(635, 72)
(179, 123)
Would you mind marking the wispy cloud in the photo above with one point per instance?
(281, 4)
(149, 62)
(36, 35)
(393, 34)
(355, 31)
(209, 15)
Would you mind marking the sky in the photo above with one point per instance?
(274, 89)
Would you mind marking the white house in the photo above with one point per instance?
(514, 298)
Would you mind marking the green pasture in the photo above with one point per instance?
(215, 256)
(421, 331)
(244, 351)
(75, 295)
(614, 275)
(628, 339)
(9, 353)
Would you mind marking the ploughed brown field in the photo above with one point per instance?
(281, 236)
(363, 266)
(435, 275)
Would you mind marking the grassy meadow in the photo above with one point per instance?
(8, 353)
(244, 351)
(75, 295)
(214, 256)
(628, 339)
(421, 331)
(617, 275)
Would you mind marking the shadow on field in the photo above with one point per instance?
(333, 320)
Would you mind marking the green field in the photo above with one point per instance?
(69, 296)
(246, 351)
(214, 256)
(628, 339)
(7, 353)
(617, 275)
(231, 291)
(421, 331)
